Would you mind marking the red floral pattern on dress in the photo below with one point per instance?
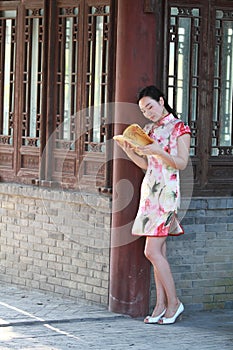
(160, 192)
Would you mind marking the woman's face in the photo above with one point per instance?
(151, 109)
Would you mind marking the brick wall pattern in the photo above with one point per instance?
(55, 241)
(58, 241)
(202, 259)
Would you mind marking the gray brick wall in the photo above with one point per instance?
(59, 241)
(202, 259)
(55, 241)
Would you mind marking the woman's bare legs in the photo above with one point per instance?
(161, 298)
(155, 251)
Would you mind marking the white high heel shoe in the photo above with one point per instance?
(171, 320)
(151, 319)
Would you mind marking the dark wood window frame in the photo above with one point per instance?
(44, 145)
(212, 161)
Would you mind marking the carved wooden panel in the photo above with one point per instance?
(30, 162)
(6, 160)
(217, 172)
(65, 166)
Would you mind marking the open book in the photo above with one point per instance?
(134, 135)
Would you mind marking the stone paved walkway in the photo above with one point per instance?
(32, 320)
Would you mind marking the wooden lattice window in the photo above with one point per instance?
(84, 65)
(183, 65)
(56, 66)
(7, 85)
(97, 75)
(30, 113)
(222, 132)
(68, 76)
(199, 82)
(32, 77)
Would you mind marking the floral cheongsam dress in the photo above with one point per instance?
(160, 189)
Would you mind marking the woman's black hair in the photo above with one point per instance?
(153, 92)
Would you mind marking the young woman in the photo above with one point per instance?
(156, 218)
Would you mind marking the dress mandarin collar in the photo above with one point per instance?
(165, 120)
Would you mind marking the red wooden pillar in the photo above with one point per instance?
(135, 68)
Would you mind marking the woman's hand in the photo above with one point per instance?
(137, 158)
(127, 148)
(178, 161)
(152, 149)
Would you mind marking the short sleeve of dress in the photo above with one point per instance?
(181, 129)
